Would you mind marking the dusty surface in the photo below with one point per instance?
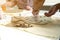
(50, 29)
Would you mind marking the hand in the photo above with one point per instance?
(28, 8)
(35, 12)
(47, 14)
(10, 4)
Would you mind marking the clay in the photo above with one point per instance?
(20, 22)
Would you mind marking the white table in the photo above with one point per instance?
(7, 33)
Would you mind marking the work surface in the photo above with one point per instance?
(38, 32)
(50, 30)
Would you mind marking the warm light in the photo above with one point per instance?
(3, 7)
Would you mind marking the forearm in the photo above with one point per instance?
(37, 5)
(53, 10)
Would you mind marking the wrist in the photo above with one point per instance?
(35, 12)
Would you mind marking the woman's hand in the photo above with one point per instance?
(10, 4)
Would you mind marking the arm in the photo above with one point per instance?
(53, 10)
(37, 5)
(11, 4)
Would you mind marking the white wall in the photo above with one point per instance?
(51, 2)
(2, 1)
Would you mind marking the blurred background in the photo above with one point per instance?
(14, 34)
